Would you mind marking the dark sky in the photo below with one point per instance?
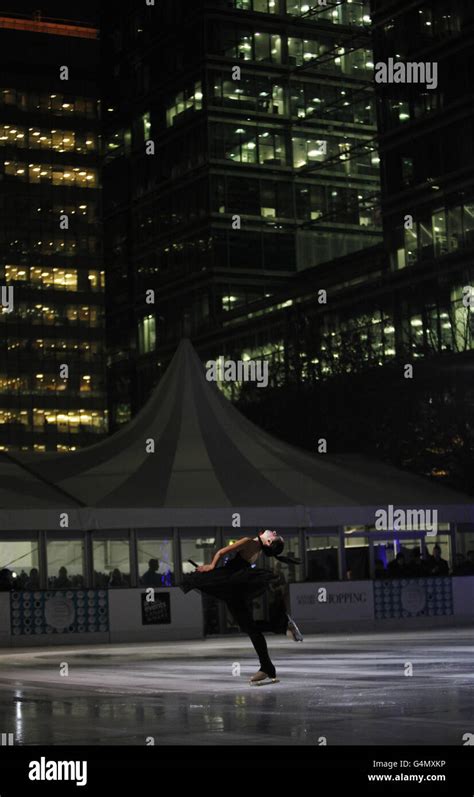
(87, 11)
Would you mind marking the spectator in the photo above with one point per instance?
(380, 571)
(116, 579)
(6, 580)
(62, 581)
(100, 580)
(437, 565)
(397, 567)
(470, 564)
(22, 579)
(417, 567)
(151, 578)
(33, 581)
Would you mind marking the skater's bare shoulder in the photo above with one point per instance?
(235, 546)
(239, 545)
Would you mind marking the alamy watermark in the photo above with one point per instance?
(6, 297)
(392, 71)
(222, 370)
(58, 770)
(392, 519)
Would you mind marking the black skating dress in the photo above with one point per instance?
(237, 583)
(237, 580)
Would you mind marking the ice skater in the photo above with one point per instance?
(238, 582)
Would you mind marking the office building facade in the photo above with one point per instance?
(52, 354)
(239, 152)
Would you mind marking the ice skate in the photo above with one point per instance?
(260, 678)
(293, 632)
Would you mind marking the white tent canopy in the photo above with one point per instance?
(209, 463)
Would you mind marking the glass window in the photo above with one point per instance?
(288, 573)
(465, 546)
(111, 561)
(190, 99)
(407, 171)
(468, 219)
(454, 229)
(425, 233)
(357, 556)
(155, 562)
(322, 557)
(147, 334)
(22, 561)
(200, 549)
(308, 150)
(271, 148)
(65, 564)
(411, 246)
(438, 221)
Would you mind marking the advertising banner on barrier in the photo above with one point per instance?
(413, 597)
(156, 611)
(332, 600)
(59, 612)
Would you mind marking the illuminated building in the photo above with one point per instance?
(257, 174)
(50, 247)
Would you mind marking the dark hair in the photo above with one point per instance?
(275, 548)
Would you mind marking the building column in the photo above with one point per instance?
(133, 549)
(42, 560)
(177, 557)
(342, 554)
(88, 559)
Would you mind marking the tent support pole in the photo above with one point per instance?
(88, 559)
(303, 554)
(132, 538)
(178, 565)
(342, 554)
(42, 560)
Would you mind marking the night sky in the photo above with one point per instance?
(87, 11)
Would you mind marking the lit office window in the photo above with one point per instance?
(13, 384)
(48, 383)
(94, 280)
(15, 417)
(147, 334)
(189, 99)
(250, 93)
(356, 12)
(271, 148)
(261, 6)
(71, 422)
(146, 122)
(58, 175)
(57, 104)
(308, 150)
(12, 135)
(252, 46)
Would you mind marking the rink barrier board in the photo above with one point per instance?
(61, 617)
(351, 606)
(383, 604)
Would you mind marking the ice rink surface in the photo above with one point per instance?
(343, 689)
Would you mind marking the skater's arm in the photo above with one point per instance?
(228, 549)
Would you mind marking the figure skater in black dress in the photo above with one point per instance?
(237, 583)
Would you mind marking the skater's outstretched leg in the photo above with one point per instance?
(280, 621)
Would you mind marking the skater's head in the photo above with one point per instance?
(271, 542)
